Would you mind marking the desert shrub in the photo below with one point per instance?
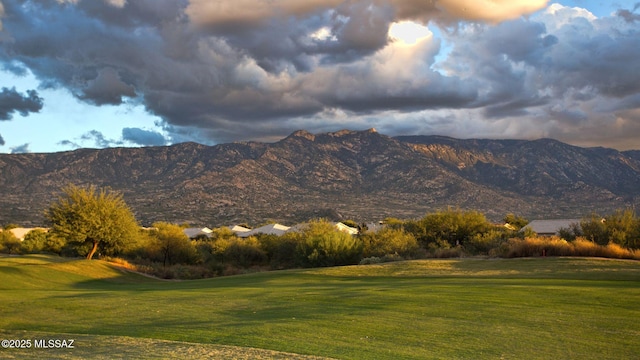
(538, 246)
(244, 252)
(222, 233)
(223, 252)
(171, 246)
(450, 252)
(615, 251)
(556, 246)
(370, 260)
(395, 223)
(281, 251)
(181, 271)
(34, 242)
(389, 241)
(146, 246)
(517, 222)
(9, 243)
(584, 247)
(456, 227)
(324, 245)
(482, 243)
(595, 230)
(570, 233)
(391, 258)
(621, 227)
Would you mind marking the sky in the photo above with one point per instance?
(112, 73)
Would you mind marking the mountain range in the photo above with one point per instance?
(358, 175)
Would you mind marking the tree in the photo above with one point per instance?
(174, 245)
(9, 243)
(10, 226)
(594, 228)
(518, 222)
(34, 241)
(622, 228)
(450, 227)
(389, 241)
(324, 245)
(97, 217)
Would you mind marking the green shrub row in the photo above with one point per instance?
(166, 252)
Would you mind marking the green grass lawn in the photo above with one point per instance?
(543, 308)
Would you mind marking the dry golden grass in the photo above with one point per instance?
(555, 246)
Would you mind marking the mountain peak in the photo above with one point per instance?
(302, 134)
(346, 132)
(363, 175)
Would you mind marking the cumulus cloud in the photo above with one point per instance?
(232, 13)
(217, 71)
(12, 101)
(143, 137)
(245, 67)
(107, 88)
(565, 70)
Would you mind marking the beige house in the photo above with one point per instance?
(550, 227)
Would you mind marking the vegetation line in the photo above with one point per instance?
(88, 221)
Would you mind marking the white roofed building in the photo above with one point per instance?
(271, 229)
(345, 228)
(237, 229)
(193, 233)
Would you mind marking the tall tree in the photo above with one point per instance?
(174, 245)
(88, 215)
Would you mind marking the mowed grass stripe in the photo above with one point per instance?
(525, 308)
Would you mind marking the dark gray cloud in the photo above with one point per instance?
(107, 88)
(21, 149)
(1, 140)
(564, 70)
(217, 71)
(11, 101)
(143, 137)
(246, 67)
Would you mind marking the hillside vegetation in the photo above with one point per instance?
(92, 225)
(361, 175)
(426, 309)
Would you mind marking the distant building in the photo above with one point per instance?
(193, 233)
(345, 228)
(271, 229)
(237, 229)
(338, 225)
(550, 227)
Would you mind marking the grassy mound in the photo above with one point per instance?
(430, 309)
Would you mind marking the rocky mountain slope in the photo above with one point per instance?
(361, 175)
